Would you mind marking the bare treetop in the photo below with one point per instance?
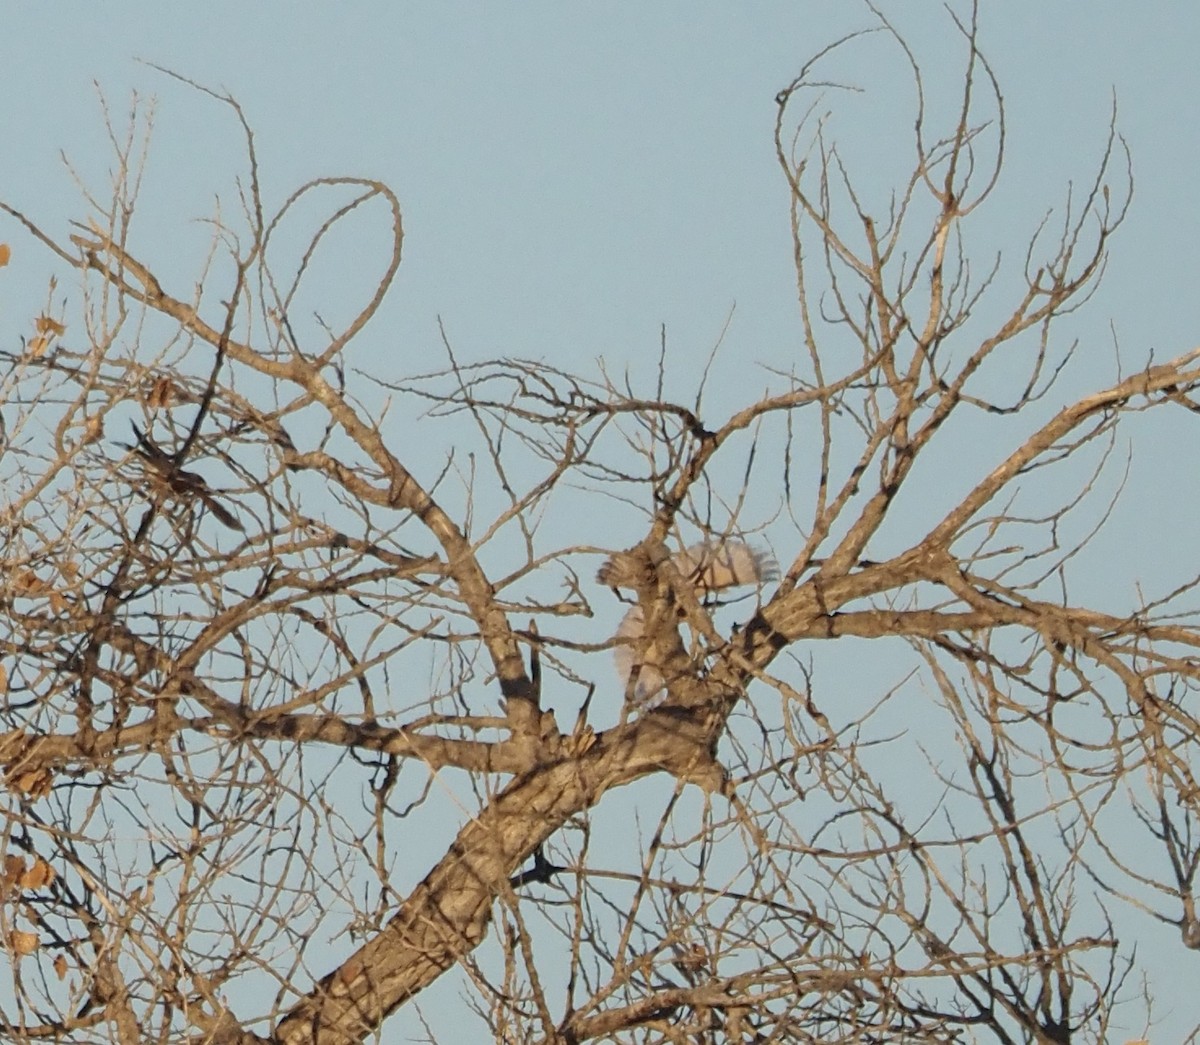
(303, 712)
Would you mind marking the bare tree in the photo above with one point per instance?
(261, 656)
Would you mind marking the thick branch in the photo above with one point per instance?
(448, 914)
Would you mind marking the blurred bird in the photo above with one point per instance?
(710, 566)
(716, 565)
(185, 485)
(626, 656)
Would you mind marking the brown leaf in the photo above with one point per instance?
(162, 394)
(3, 679)
(5, 254)
(33, 782)
(48, 325)
(39, 875)
(13, 868)
(11, 744)
(60, 966)
(22, 942)
(38, 346)
(26, 582)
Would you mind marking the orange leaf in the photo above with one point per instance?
(5, 254)
(23, 942)
(14, 867)
(60, 966)
(38, 345)
(48, 325)
(34, 782)
(39, 875)
(3, 679)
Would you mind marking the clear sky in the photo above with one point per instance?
(576, 175)
(573, 175)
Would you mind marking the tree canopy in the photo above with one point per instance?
(302, 711)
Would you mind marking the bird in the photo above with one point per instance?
(185, 485)
(713, 566)
(710, 566)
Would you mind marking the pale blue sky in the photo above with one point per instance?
(575, 175)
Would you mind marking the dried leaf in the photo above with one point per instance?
(48, 325)
(3, 679)
(11, 744)
(39, 875)
(5, 254)
(60, 966)
(38, 346)
(22, 942)
(162, 394)
(35, 783)
(26, 582)
(14, 867)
